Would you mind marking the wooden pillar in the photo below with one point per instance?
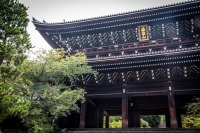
(97, 117)
(107, 121)
(124, 108)
(167, 119)
(130, 115)
(136, 117)
(179, 120)
(100, 118)
(83, 114)
(172, 107)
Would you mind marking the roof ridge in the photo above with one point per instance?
(117, 14)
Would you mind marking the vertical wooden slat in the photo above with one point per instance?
(107, 121)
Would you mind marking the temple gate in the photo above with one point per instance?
(148, 63)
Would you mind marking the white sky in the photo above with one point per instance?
(58, 10)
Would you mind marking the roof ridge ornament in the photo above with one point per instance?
(35, 20)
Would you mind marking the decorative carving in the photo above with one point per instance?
(124, 36)
(156, 31)
(185, 72)
(177, 73)
(184, 28)
(103, 79)
(116, 78)
(131, 76)
(73, 42)
(94, 40)
(90, 79)
(196, 25)
(89, 41)
(160, 74)
(100, 39)
(131, 35)
(193, 71)
(144, 32)
(106, 38)
(83, 41)
(78, 80)
(170, 29)
(145, 75)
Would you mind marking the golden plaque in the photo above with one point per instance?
(143, 33)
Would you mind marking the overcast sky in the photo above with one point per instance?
(59, 10)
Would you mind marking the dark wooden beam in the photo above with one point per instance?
(94, 96)
(147, 93)
(155, 111)
(105, 113)
(187, 92)
(91, 102)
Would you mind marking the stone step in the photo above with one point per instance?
(130, 130)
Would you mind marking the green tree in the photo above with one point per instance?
(115, 122)
(192, 119)
(153, 120)
(144, 124)
(49, 94)
(14, 43)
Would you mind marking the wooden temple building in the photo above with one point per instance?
(148, 63)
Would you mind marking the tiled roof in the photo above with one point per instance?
(116, 15)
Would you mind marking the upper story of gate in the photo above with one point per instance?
(159, 30)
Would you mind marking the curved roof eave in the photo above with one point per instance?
(35, 21)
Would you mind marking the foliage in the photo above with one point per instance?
(14, 43)
(115, 122)
(194, 107)
(144, 124)
(153, 120)
(192, 120)
(162, 122)
(49, 94)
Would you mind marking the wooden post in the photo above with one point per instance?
(83, 114)
(167, 119)
(136, 114)
(100, 118)
(179, 120)
(172, 107)
(124, 108)
(130, 115)
(107, 121)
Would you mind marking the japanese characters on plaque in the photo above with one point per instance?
(143, 33)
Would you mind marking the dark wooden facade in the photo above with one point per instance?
(148, 62)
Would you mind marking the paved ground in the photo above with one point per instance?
(131, 130)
